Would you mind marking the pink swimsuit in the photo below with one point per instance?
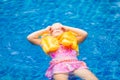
(64, 60)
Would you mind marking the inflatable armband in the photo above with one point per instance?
(68, 39)
(49, 44)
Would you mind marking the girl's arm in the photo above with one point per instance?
(81, 34)
(34, 37)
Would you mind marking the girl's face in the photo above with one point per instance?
(56, 29)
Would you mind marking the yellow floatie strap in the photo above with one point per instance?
(51, 44)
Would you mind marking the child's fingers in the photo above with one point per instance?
(48, 28)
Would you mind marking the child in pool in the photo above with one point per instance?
(64, 61)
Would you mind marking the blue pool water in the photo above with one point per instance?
(21, 60)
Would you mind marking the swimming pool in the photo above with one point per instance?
(20, 60)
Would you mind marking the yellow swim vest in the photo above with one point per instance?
(51, 44)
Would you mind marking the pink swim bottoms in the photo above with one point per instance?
(64, 66)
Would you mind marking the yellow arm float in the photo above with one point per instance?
(69, 40)
(49, 44)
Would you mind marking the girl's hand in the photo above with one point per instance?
(64, 27)
(47, 29)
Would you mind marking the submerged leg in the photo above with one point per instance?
(60, 76)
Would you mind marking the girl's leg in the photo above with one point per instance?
(60, 76)
(85, 74)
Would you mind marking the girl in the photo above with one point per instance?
(64, 61)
